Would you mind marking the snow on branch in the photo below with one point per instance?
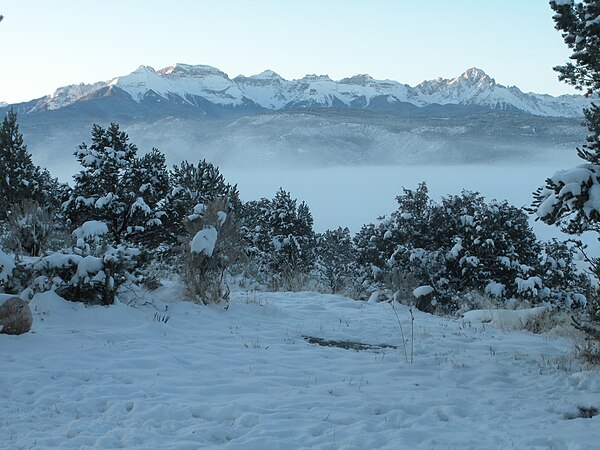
(204, 241)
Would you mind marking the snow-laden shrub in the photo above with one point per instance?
(97, 279)
(213, 247)
(91, 271)
(29, 228)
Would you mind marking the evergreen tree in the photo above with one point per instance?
(335, 259)
(500, 248)
(567, 285)
(571, 198)
(580, 27)
(292, 236)
(255, 231)
(457, 245)
(152, 184)
(411, 221)
(116, 187)
(279, 237)
(20, 179)
(407, 228)
(194, 185)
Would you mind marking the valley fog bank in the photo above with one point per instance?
(354, 196)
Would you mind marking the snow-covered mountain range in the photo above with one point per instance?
(207, 89)
(194, 112)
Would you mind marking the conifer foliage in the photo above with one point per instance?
(20, 178)
(335, 262)
(280, 237)
(570, 198)
(455, 246)
(118, 188)
(193, 185)
(122, 204)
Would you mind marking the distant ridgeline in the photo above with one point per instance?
(185, 89)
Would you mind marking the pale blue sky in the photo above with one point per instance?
(51, 43)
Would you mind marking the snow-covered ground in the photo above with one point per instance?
(245, 377)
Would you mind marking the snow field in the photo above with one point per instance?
(245, 378)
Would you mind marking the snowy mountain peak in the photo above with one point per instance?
(360, 80)
(476, 75)
(313, 77)
(144, 69)
(186, 70)
(66, 95)
(266, 75)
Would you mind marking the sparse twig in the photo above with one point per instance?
(593, 262)
(412, 334)
(401, 332)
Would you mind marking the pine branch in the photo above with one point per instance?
(591, 330)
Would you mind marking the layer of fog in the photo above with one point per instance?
(354, 196)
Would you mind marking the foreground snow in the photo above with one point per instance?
(246, 378)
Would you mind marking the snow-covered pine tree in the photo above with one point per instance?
(306, 236)
(335, 259)
(116, 187)
(400, 250)
(279, 239)
(370, 250)
(194, 185)
(411, 238)
(256, 232)
(500, 251)
(20, 178)
(152, 184)
(455, 246)
(566, 284)
(571, 198)
(292, 238)
(411, 221)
